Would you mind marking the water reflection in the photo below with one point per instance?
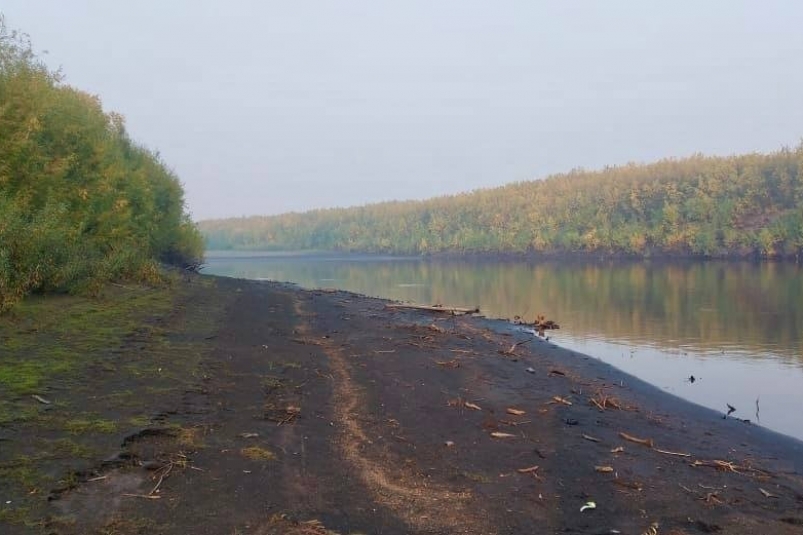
(736, 325)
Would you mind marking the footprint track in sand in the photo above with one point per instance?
(427, 506)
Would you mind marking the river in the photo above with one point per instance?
(736, 327)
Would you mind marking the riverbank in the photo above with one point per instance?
(231, 406)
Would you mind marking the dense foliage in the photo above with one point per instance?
(700, 206)
(80, 203)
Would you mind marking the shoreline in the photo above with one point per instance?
(223, 405)
(507, 256)
(661, 401)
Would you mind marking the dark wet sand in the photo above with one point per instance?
(317, 412)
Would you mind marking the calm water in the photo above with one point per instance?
(737, 327)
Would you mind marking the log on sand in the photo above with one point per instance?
(455, 311)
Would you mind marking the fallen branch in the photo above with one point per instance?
(722, 466)
(454, 311)
(603, 401)
(512, 349)
(672, 453)
(527, 470)
(635, 485)
(162, 476)
(767, 494)
(588, 437)
(514, 424)
(558, 399)
(643, 441)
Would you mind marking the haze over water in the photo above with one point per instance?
(737, 327)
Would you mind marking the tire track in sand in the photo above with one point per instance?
(427, 506)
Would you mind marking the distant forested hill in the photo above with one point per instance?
(80, 203)
(707, 206)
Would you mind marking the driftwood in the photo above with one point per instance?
(454, 311)
(643, 441)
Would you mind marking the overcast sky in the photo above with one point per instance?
(267, 107)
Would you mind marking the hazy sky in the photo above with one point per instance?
(268, 107)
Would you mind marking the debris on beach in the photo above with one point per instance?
(515, 412)
(558, 399)
(588, 505)
(603, 401)
(528, 470)
(542, 324)
(604, 469)
(767, 494)
(454, 311)
(512, 350)
(40, 399)
(722, 466)
(498, 434)
(643, 441)
(652, 529)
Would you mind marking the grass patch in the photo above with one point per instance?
(140, 420)
(21, 471)
(80, 426)
(50, 339)
(65, 447)
(14, 515)
(256, 453)
(271, 382)
(190, 437)
(17, 413)
(477, 478)
(106, 364)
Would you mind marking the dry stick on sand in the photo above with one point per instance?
(724, 466)
(675, 453)
(603, 401)
(643, 441)
(512, 349)
(650, 444)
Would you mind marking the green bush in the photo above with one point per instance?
(80, 202)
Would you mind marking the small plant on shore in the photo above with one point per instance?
(256, 453)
